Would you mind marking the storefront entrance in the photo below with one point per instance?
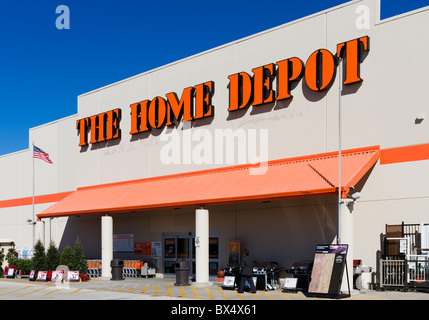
(181, 246)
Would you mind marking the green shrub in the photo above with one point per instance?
(79, 261)
(11, 255)
(24, 265)
(39, 258)
(52, 257)
(66, 257)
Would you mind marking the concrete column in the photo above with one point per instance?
(106, 246)
(202, 246)
(39, 231)
(346, 237)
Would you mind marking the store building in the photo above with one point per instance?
(240, 143)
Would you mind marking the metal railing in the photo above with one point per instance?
(418, 268)
(413, 272)
(405, 261)
(393, 273)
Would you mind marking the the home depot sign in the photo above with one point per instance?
(257, 89)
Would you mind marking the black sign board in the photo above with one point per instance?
(33, 275)
(328, 269)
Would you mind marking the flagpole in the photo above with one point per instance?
(32, 220)
(340, 80)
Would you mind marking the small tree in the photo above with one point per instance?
(52, 257)
(2, 255)
(79, 261)
(24, 265)
(11, 255)
(39, 258)
(1, 261)
(66, 257)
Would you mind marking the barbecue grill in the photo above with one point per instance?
(302, 271)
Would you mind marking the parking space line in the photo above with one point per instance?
(189, 292)
(30, 292)
(239, 295)
(48, 293)
(182, 292)
(210, 294)
(255, 296)
(223, 294)
(195, 292)
(298, 296)
(283, 296)
(156, 290)
(144, 290)
(76, 290)
(15, 290)
(266, 295)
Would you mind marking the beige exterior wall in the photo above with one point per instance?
(379, 111)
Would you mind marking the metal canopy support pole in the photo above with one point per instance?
(347, 207)
(39, 233)
(339, 152)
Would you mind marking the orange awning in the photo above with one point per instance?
(315, 175)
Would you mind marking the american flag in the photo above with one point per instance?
(40, 154)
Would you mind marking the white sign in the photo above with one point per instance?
(10, 272)
(73, 275)
(25, 252)
(228, 281)
(123, 242)
(57, 276)
(403, 244)
(156, 248)
(290, 283)
(42, 275)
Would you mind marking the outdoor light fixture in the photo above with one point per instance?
(355, 195)
(419, 118)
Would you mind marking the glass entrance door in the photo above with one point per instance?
(169, 249)
(181, 246)
(177, 247)
(214, 256)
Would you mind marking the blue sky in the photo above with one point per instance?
(44, 69)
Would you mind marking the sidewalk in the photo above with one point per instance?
(135, 283)
(165, 288)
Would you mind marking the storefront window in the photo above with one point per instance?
(213, 268)
(169, 266)
(169, 248)
(214, 248)
(179, 246)
(183, 248)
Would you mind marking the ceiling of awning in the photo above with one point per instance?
(314, 175)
